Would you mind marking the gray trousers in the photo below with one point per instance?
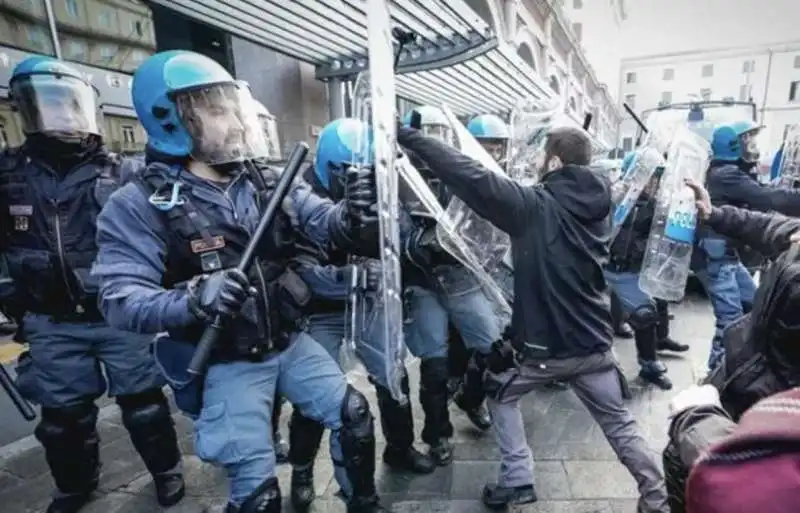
(599, 384)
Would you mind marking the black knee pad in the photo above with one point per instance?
(75, 423)
(264, 499)
(357, 421)
(144, 409)
(147, 418)
(644, 317)
(305, 436)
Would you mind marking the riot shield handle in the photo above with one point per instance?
(211, 334)
(638, 121)
(23, 406)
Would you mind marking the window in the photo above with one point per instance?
(578, 29)
(38, 38)
(630, 99)
(630, 78)
(3, 134)
(108, 53)
(708, 70)
(627, 144)
(786, 131)
(137, 27)
(748, 66)
(128, 134)
(72, 8)
(669, 74)
(577, 4)
(794, 91)
(573, 104)
(104, 18)
(705, 93)
(139, 56)
(797, 61)
(745, 92)
(76, 51)
(666, 97)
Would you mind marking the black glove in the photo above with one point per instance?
(422, 248)
(501, 357)
(361, 197)
(221, 293)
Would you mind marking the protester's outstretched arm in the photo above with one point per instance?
(768, 233)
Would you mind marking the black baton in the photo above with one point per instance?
(197, 365)
(23, 406)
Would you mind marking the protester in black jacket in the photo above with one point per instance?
(761, 351)
(561, 323)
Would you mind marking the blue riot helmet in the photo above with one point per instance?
(492, 133)
(733, 142)
(54, 99)
(190, 106)
(342, 143)
(433, 123)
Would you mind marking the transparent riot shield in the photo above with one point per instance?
(529, 124)
(474, 241)
(373, 102)
(789, 166)
(626, 191)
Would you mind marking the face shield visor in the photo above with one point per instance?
(749, 144)
(58, 106)
(221, 123)
(497, 148)
(442, 132)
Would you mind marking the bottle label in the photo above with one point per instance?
(682, 219)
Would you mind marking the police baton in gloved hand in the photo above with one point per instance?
(24, 408)
(207, 342)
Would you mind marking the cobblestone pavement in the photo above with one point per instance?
(576, 471)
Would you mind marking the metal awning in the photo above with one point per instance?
(457, 60)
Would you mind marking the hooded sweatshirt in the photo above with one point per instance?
(559, 232)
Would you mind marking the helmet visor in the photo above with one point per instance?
(221, 124)
(442, 132)
(749, 145)
(497, 148)
(56, 105)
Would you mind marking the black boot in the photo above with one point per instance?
(264, 499)
(398, 429)
(278, 442)
(665, 343)
(72, 450)
(652, 370)
(147, 418)
(357, 438)
(501, 497)
(305, 437)
(433, 397)
(471, 395)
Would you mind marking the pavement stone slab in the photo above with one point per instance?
(576, 470)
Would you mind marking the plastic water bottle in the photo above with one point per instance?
(668, 253)
(626, 191)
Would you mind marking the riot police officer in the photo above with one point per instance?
(493, 134)
(168, 246)
(440, 291)
(51, 191)
(716, 260)
(648, 317)
(329, 275)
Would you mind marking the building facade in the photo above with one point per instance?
(768, 75)
(107, 39)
